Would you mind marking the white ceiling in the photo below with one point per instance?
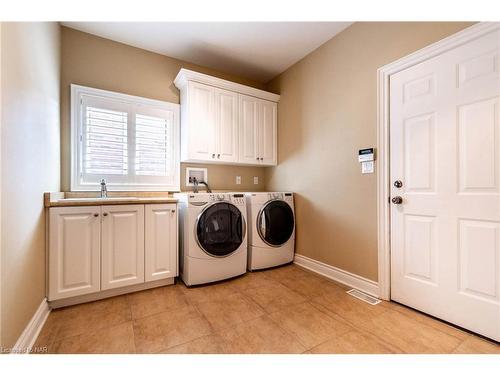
(255, 50)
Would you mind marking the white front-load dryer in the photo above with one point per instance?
(213, 238)
(271, 229)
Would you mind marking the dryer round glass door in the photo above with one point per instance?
(275, 223)
(220, 229)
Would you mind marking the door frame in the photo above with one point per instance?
(383, 132)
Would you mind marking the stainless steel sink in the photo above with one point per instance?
(97, 199)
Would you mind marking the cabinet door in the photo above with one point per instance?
(226, 116)
(74, 251)
(122, 246)
(161, 241)
(201, 121)
(267, 132)
(248, 129)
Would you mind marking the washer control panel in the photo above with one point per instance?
(218, 197)
(238, 199)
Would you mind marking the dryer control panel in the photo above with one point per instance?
(287, 197)
(275, 196)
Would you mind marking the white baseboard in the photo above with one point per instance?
(337, 274)
(32, 330)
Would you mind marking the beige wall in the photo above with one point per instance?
(29, 165)
(327, 112)
(101, 63)
(1, 122)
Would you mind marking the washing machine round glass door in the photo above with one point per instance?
(220, 229)
(275, 223)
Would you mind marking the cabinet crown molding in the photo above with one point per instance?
(186, 75)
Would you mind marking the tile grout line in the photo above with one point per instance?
(362, 329)
(322, 303)
(58, 340)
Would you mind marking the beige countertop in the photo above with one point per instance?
(62, 199)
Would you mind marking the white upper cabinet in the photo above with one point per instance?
(248, 143)
(225, 122)
(201, 115)
(258, 128)
(267, 131)
(226, 125)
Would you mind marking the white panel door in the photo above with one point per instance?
(122, 246)
(248, 131)
(161, 252)
(268, 115)
(226, 124)
(201, 121)
(74, 251)
(445, 149)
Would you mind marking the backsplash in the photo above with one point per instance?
(223, 177)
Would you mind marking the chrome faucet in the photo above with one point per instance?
(104, 189)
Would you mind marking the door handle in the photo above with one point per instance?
(397, 200)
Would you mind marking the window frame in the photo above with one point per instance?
(77, 95)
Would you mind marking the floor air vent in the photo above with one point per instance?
(363, 296)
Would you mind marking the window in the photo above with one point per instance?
(130, 141)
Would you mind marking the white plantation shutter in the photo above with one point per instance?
(106, 141)
(152, 145)
(132, 142)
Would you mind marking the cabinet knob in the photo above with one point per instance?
(257, 158)
(261, 158)
(96, 215)
(173, 211)
(213, 156)
(218, 156)
(105, 214)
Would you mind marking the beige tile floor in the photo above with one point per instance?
(283, 310)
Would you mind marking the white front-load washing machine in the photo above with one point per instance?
(271, 229)
(213, 240)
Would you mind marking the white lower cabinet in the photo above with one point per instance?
(98, 248)
(74, 251)
(161, 234)
(122, 247)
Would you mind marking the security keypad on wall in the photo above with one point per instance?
(366, 157)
